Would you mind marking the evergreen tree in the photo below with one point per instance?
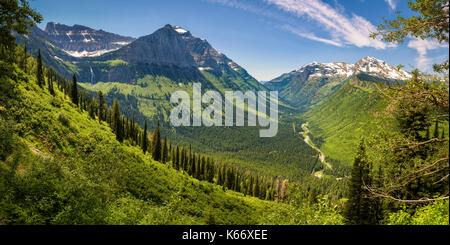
(39, 71)
(101, 106)
(145, 139)
(91, 109)
(358, 208)
(164, 150)
(74, 90)
(176, 159)
(116, 121)
(24, 58)
(50, 82)
(156, 144)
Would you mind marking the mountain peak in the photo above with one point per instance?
(371, 59)
(177, 29)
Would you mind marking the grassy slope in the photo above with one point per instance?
(76, 172)
(340, 121)
(285, 154)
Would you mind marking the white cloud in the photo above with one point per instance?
(422, 46)
(344, 30)
(311, 36)
(391, 3)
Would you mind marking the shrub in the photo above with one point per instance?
(64, 119)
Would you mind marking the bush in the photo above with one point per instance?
(436, 213)
(64, 119)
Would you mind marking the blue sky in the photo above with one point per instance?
(266, 37)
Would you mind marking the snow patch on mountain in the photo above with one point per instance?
(179, 29)
(85, 53)
(368, 65)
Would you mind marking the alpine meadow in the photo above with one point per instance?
(161, 128)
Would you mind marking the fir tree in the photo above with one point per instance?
(91, 109)
(145, 139)
(156, 144)
(74, 90)
(358, 208)
(116, 121)
(101, 106)
(164, 150)
(50, 83)
(24, 59)
(39, 71)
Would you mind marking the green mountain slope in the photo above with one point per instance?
(64, 168)
(353, 111)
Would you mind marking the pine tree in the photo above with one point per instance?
(39, 72)
(116, 121)
(156, 144)
(74, 90)
(50, 83)
(164, 150)
(359, 206)
(101, 106)
(91, 109)
(24, 59)
(176, 159)
(145, 139)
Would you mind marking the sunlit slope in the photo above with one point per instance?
(69, 169)
(352, 112)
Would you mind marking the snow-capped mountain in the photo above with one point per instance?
(369, 65)
(312, 82)
(82, 41)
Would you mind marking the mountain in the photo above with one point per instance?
(82, 41)
(143, 74)
(313, 82)
(353, 111)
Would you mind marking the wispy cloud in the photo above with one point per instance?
(422, 46)
(391, 3)
(311, 36)
(343, 30)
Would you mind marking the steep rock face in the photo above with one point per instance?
(313, 82)
(82, 41)
(172, 45)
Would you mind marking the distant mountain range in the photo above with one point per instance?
(313, 82)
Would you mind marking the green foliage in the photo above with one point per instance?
(436, 213)
(73, 171)
(64, 120)
(429, 22)
(17, 16)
